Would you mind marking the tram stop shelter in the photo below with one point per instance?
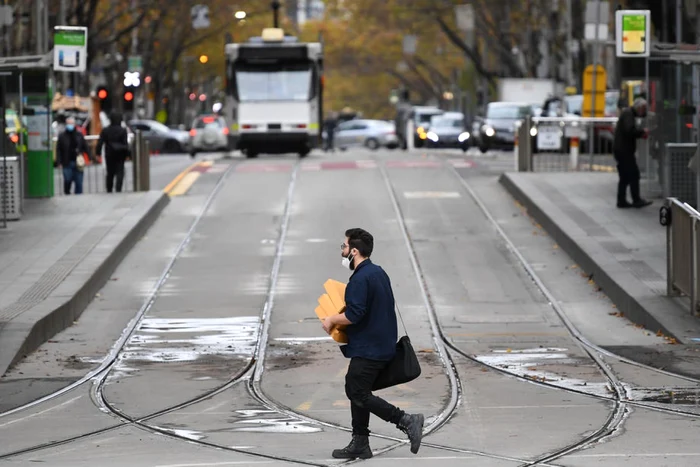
(672, 74)
(26, 161)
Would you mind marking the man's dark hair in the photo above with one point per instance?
(115, 118)
(361, 240)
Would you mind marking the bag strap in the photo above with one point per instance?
(401, 318)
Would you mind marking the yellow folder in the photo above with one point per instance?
(333, 303)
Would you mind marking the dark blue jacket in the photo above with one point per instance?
(369, 305)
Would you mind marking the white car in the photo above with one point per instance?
(209, 133)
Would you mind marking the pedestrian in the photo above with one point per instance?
(331, 124)
(71, 150)
(372, 332)
(625, 148)
(116, 142)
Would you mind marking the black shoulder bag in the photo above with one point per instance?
(404, 367)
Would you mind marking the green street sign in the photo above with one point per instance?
(632, 33)
(135, 63)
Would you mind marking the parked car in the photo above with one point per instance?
(161, 138)
(448, 131)
(209, 133)
(372, 134)
(498, 127)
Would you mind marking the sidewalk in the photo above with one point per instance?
(624, 249)
(58, 256)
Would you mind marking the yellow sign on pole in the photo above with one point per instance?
(601, 79)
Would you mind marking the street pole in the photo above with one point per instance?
(679, 40)
(591, 142)
(275, 13)
(63, 21)
(569, 44)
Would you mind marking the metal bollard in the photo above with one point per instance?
(141, 165)
(573, 153)
(524, 155)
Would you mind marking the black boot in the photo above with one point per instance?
(358, 447)
(412, 425)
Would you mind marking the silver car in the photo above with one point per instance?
(161, 138)
(372, 134)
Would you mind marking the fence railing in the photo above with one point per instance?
(682, 254)
(678, 180)
(136, 170)
(561, 144)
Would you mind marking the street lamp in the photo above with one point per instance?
(240, 14)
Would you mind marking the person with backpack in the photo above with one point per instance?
(116, 142)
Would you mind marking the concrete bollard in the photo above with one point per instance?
(573, 153)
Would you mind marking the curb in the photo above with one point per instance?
(652, 312)
(34, 327)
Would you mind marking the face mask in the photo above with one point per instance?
(70, 127)
(348, 263)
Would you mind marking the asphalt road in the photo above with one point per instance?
(228, 365)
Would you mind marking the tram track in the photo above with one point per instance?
(252, 373)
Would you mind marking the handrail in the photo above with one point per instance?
(682, 223)
(575, 119)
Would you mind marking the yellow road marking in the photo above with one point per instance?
(185, 184)
(304, 405)
(179, 177)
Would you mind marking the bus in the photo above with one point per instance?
(274, 94)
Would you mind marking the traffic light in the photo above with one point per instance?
(105, 99)
(128, 99)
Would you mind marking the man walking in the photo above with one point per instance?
(372, 334)
(69, 146)
(625, 148)
(116, 142)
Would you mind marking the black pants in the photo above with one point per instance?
(115, 168)
(358, 387)
(629, 176)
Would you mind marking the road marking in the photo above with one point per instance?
(185, 184)
(430, 194)
(179, 177)
(304, 406)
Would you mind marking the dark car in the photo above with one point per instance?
(497, 130)
(448, 131)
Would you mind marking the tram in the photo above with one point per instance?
(274, 94)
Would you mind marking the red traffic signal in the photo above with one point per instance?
(102, 93)
(128, 96)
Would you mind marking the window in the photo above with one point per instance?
(204, 122)
(274, 85)
(508, 112)
(447, 123)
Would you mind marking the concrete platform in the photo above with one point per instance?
(58, 256)
(623, 250)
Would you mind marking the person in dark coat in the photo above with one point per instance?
(69, 146)
(372, 332)
(116, 142)
(625, 147)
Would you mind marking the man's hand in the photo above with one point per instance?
(327, 325)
